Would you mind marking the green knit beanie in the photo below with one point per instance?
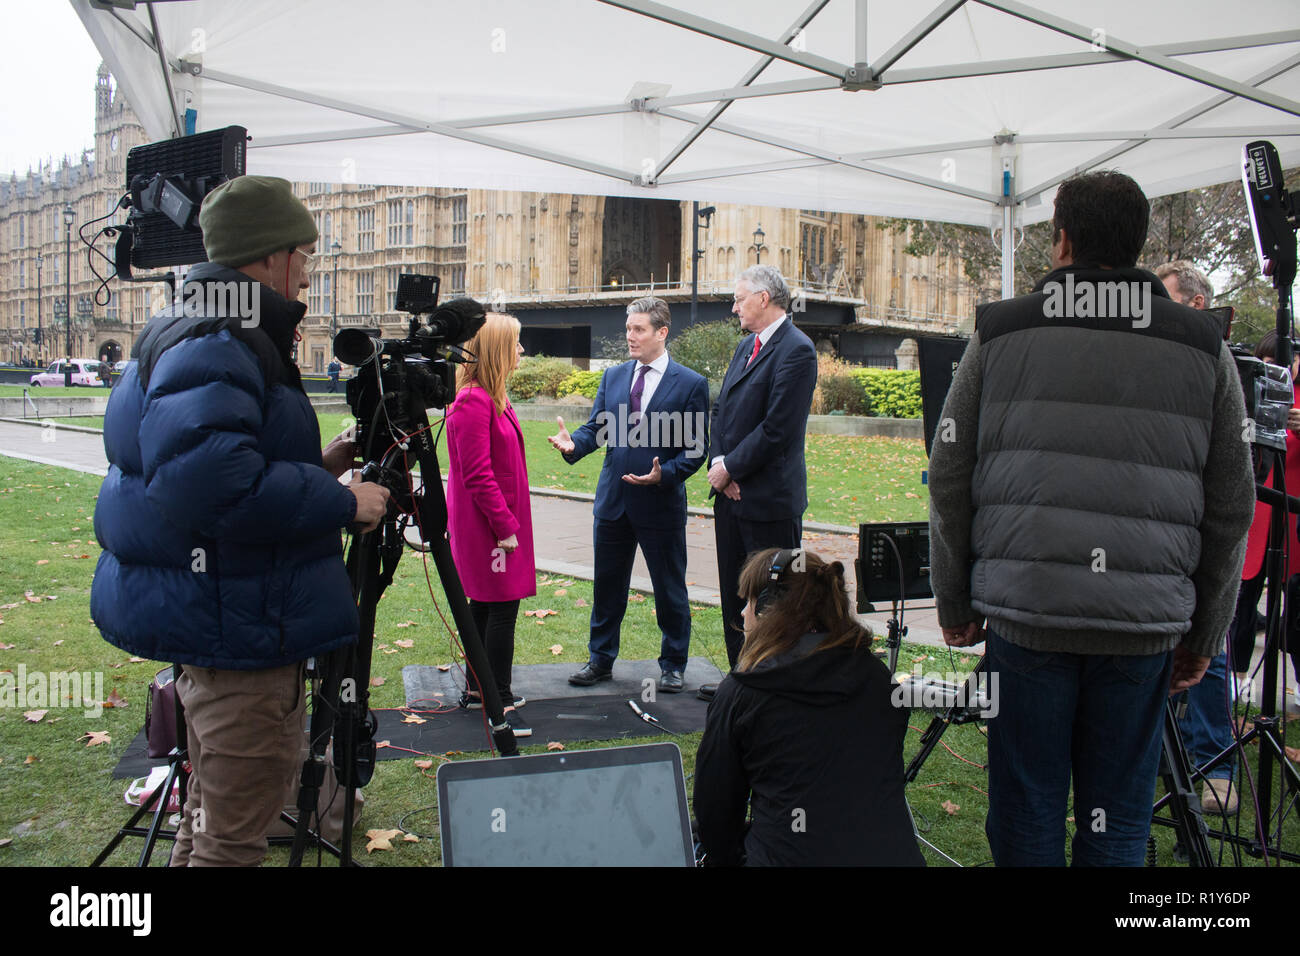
(250, 217)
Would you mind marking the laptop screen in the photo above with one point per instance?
(620, 806)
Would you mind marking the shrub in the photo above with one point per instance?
(837, 389)
(537, 375)
(580, 383)
(892, 393)
(707, 347)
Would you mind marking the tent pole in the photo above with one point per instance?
(860, 36)
(1008, 255)
(1006, 141)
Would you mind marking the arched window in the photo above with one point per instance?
(327, 233)
(410, 223)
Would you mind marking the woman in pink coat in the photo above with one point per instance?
(490, 523)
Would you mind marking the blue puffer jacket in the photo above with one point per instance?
(219, 526)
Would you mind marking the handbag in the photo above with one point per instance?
(160, 713)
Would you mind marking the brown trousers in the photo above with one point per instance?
(246, 745)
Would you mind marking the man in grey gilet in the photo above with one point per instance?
(1090, 493)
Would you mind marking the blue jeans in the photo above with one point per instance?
(1098, 718)
(1207, 727)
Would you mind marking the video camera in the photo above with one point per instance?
(400, 378)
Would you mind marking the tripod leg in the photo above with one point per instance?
(1188, 821)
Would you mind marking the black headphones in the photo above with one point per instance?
(775, 572)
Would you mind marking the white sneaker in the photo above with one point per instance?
(1244, 690)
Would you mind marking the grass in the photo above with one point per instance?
(53, 391)
(60, 804)
(851, 479)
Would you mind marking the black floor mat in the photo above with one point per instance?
(566, 719)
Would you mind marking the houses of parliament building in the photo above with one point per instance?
(565, 265)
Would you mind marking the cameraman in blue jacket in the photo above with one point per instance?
(220, 517)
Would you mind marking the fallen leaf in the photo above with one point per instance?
(381, 646)
(412, 719)
(390, 650)
(917, 660)
(6, 647)
(96, 737)
(404, 643)
(377, 682)
(43, 561)
(557, 649)
(636, 598)
(9, 607)
(405, 624)
(115, 699)
(423, 764)
(950, 807)
(380, 839)
(30, 597)
(411, 838)
(136, 660)
(581, 602)
(444, 667)
(30, 760)
(555, 745)
(6, 841)
(34, 716)
(57, 643)
(561, 592)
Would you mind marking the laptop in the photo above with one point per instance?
(619, 806)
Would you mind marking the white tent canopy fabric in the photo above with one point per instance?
(971, 112)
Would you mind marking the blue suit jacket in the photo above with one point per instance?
(759, 421)
(675, 430)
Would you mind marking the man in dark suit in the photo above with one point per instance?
(756, 460)
(651, 414)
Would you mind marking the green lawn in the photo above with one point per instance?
(60, 804)
(53, 391)
(850, 479)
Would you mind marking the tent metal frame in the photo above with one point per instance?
(829, 75)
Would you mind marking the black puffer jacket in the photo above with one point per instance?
(816, 740)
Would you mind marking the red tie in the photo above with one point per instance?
(754, 354)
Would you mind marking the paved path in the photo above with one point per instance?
(561, 526)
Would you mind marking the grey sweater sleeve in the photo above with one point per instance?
(1229, 487)
(952, 463)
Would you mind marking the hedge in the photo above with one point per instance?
(893, 393)
(581, 383)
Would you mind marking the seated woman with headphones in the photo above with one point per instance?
(803, 731)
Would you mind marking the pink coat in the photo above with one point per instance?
(487, 499)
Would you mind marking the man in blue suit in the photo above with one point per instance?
(651, 414)
(756, 462)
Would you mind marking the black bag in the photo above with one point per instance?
(160, 713)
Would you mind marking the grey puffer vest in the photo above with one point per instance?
(1094, 431)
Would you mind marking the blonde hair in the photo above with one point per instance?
(495, 348)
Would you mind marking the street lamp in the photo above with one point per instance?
(698, 214)
(40, 261)
(68, 216)
(758, 244)
(334, 293)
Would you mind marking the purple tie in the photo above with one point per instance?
(638, 388)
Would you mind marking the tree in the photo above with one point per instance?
(1210, 227)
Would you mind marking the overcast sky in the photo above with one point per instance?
(47, 75)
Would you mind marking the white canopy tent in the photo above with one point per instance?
(972, 112)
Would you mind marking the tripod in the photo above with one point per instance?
(1267, 727)
(341, 707)
(156, 802)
